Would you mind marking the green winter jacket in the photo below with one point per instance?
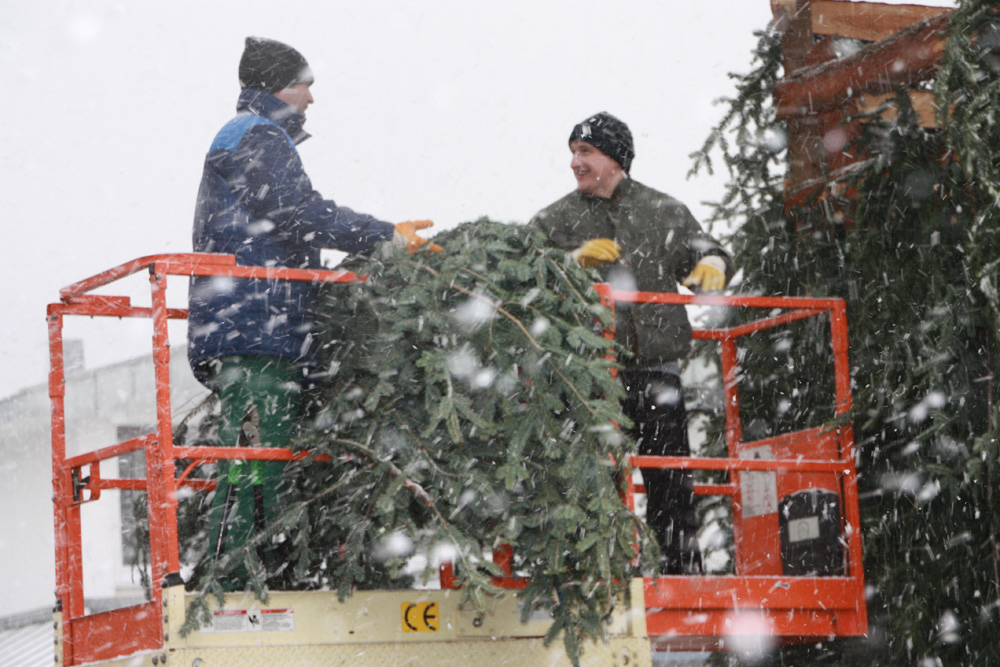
(661, 243)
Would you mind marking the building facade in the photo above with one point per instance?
(103, 406)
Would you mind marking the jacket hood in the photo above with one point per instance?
(276, 111)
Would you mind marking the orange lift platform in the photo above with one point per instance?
(797, 555)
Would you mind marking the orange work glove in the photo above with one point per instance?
(406, 236)
(597, 251)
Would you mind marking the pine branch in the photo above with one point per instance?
(520, 325)
(496, 428)
(497, 307)
(394, 471)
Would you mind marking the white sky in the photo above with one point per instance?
(445, 109)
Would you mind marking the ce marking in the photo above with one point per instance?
(420, 616)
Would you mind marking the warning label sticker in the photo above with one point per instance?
(759, 489)
(538, 612)
(250, 620)
(277, 620)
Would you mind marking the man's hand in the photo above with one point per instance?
(406, 236)
(709, 275)
(597, 251)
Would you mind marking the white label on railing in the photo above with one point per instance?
(806, 528)
(759, 489)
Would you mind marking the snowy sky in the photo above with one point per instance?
(446, 109)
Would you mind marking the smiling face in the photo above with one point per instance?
(596, 173)
(298, 97)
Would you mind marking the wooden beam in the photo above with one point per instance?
(793, 19)
(869, 21)
(821, 52)
(909, 56)
(922, 100)
(801, 193)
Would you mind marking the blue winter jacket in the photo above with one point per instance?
(256, 202)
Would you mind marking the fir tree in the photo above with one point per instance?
(469, 403)
(918, 269)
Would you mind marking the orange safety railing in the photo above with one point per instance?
(683, 611)
(76, 480)
(761, 597)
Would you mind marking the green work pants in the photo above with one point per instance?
(248, 493)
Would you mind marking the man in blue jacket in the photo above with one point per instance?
(253, 341)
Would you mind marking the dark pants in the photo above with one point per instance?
(655, 403)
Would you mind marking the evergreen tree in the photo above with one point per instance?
(917, 265)
(469, 404)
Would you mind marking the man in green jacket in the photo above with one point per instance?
(643, 240)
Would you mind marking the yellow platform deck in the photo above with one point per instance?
(429, 628)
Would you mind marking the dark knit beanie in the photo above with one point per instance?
(608, 135)
(271, 66)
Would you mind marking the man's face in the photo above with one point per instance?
(596, 173)
(298, 97)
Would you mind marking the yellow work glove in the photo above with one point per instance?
(709, 275)
(597, 251)
(406, 236)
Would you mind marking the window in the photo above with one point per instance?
(134, 513)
